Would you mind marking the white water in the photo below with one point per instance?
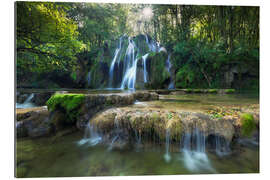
(116, 54)
(168, 67)
(130, 67)
(27, 103)
(167, 156)
(194, 156)
(129, 79)
(145, 74)
(91, 136)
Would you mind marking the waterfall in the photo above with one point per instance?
(138, 137)
(222, 146)
(91, 136)
(88, 78)
(168, 67)
(167, 156)
(144, 58)
(111, 72)
(27, 103)
(195, 158)
(116, 133)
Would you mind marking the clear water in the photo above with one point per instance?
(64, 157)
(80, 154)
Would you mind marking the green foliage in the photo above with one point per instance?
(229, 91)
(248, 124)
(158, 71)
(212, 91)
(170, 115)
(46, 38)
(70, 103)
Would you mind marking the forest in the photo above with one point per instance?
(57, 44)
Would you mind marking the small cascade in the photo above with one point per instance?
(138, 138)
(129, 79)
(168, 67)
(88, 78)
(167, 156)
(91, 136)
(130, 67)
(116, 133)
(222, 146)
(27, 103)
(116, 53)
(195, 158)
(145, 74)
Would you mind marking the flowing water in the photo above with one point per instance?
(116, 55)
(27, 103)
(64, 157)
(85, 154)
(145, 74)
(130, 63)
(168, 67)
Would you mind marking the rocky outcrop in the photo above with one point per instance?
(34, 123)
(38, 121)
(97, 102)
(155, 123)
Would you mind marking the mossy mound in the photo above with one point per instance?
(69, 103)
(229, 91)
(248, 124)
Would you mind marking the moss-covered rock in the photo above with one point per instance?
(248, 124)
(158, 73)
(229, 91)
(69, 103)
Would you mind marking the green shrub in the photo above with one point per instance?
(212, 91)
(70, 103)
(229, 91)
(248, 124)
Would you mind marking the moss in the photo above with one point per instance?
(212, 91)
(248, 124)
(188, 90)
(70, 103)
(229, 91)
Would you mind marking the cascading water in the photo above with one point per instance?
(145, 75)
(129, 79)
(130, 67)
(222, 146)
(27, 103)
(168, 67)
(116, 133)
(138, 138)
(167, 156)
(116, 53)
(88, 78)
(91, 136)
(195, 158)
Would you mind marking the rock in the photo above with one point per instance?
(40, 99)
(57, 119)
(35, 124)
(21, 97)
(155, 123)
